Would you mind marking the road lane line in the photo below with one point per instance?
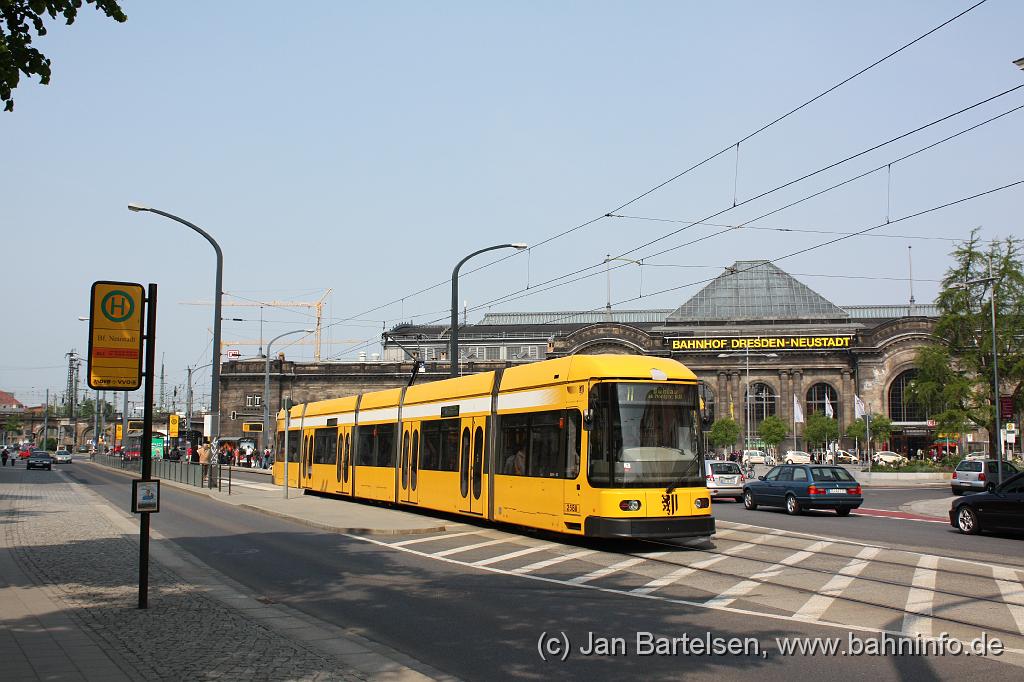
(816, 606)
(608, 570)
(548, 562)
(467, 548)
(414, 541)
(512, 555)
(917, 619)
(1013, 593)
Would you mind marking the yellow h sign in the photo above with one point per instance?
(172, 426)
(116, 313)
(118, 430)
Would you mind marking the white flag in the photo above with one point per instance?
(828, 408)
(859, 407)
(798, 414)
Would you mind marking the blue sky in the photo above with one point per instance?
(368, 146)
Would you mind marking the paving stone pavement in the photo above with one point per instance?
(67, 568)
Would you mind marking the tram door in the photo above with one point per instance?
(307, 459)
(344, 461)
(408, 462)
(472, 486)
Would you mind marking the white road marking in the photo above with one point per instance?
(1013, 593)
(414, 541)
(675, 575)
(524, 572)
(742, 588)
(813, 609)
(512, 555)
(467, 548)
(917, 619)
(608, 570)
(547, 562)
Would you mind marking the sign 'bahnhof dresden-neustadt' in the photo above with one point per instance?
(730, 343)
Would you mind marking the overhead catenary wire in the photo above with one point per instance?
(647, 257)
(689, 169)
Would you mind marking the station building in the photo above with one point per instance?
(754, 331)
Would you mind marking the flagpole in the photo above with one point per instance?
(867, 424)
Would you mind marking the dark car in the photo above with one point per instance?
(1000, 509)
(797, 487)
(39, 459)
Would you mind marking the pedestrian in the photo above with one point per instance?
(4, 456)
(204, 461)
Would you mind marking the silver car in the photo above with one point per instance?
(724, 479)
(978, 475)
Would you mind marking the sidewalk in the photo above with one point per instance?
(68, 597)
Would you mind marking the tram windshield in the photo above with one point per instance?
(644, 436)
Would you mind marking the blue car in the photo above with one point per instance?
(797, 487)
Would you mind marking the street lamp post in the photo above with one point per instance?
(608, 275)
(453, 350)
(266, 383)
(746, 397)
(217, 294)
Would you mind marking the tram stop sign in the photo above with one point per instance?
(116, 314)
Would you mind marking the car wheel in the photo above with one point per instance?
(990, 488)
(789, 461)
(843, 511)
(792, 505)
(967, 520)
(958, 491)
(739, 499)
(748, 500)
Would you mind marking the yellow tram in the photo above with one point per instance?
(596, 445)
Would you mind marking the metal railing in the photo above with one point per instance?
(182, 472)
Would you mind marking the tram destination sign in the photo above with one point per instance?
(720, 344)
(116, 313)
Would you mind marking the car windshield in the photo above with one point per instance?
(830, 474)
(725, 468)
(644, 435)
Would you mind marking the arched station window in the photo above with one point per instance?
(762, 403)
(819, 397)
(901, 407)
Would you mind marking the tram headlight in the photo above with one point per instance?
(702, 502)
(629, 505)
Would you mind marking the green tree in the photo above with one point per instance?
(724, 433)
(954, 378)
(881, 429)
(19, 19)
(13, 425)
(773, 431)
(821, 429)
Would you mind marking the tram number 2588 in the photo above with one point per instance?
(572, 508)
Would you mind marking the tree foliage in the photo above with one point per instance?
(12, 425)
(954, 379)
(881, 428)
(724, 432)
(773, 430)
(821, 429)
(19, 19)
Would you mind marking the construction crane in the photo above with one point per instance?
(317, 305)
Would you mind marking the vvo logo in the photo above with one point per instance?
(670, 503)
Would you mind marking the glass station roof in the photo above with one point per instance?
(756, 290)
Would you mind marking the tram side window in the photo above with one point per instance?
(376, 445)
(430, 452)
(449, 445)
(293, 446)
(325, 446)
(541, 444)
(386, 445)
(364, 449)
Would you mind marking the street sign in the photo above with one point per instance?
(234, 353)
(172, 426)
(135, 424)
(116, 313)
(252, 427)
(117, 432)
(1006, 407)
